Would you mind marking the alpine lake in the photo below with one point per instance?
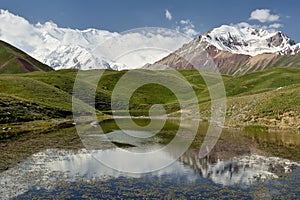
(252, 163)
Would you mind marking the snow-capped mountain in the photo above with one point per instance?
(234, 50)
(63, 48)
(247, 40)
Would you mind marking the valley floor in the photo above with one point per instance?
(40, 101)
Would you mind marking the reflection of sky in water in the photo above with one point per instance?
(46, 168)
(146, 151)
(84, 164)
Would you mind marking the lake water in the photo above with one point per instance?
(246, 165)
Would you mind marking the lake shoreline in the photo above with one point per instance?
(232, 143)
(12, 130)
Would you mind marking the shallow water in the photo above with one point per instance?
(228, 172)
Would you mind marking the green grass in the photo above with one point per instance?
(252, 98)
(10, 61)
(262, 81)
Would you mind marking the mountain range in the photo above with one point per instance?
(63, 48)
(236, 50)
(233, 49)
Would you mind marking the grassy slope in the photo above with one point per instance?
(269, 98)
(14, 61)
(252, 99)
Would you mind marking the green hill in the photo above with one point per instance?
(265, 98)
(14, 61)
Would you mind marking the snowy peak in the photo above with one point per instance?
(247, 40)
(234, 51)
(63, 48)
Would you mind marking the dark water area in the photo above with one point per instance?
(245, 165)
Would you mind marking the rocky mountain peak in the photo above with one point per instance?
(247, 40)
(235, 50)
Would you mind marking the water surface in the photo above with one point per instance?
(242, 164)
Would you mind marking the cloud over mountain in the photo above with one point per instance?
(91, 48)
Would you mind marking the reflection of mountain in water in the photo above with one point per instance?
(242, 170)
(47, 168)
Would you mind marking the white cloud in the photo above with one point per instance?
(168, 15)
(58, 46)
(246, 25)
(141, 47)
(276, 26)
(183, 22)
(190, 32)
(264, 15)
(241, 25)
(187, 27)
(17, 30)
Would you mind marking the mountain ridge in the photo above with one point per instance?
(235, 49)
(63, 48)
(233, 53)
(248, 40)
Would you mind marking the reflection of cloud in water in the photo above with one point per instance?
(47, 168)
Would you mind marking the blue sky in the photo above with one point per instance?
(122, 15)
